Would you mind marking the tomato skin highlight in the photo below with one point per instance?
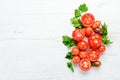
(87, 20)
(75, 51)
(88, 31)
(85, 65)
(78, 34)
(76, 59)
(93, 55)
(102, 48)
(82, 45)
(82, 54)
(96, 24)
(95, 40)
(95, 35)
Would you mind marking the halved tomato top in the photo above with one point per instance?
(95, 40)
(78, 34)
(85, 64)
(87, 20)
(93, 55)
(82, 45)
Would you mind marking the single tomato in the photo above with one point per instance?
(87, 20)
(82, 54)
(82, 45)
(98, 30)
(75, 51)
(95, 43)
(76, 59)
(88, 31)
(96, 24)
(93, 55)
(85, 65)
(96, 64)
(78, 34)
(102, 48)
(95, 40)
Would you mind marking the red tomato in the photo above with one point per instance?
(82, 54)
(76, 59)
(78, 34)
(88, 31)
(93, 55)
(82, 45)
(75, 51)
(95, 40)
(102, 48)
(95, 43)
(85, 65)
(87, 20)
(96, 24)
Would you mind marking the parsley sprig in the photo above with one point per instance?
(69, 64)
(68, 42)
(77, 14)
(105, 38)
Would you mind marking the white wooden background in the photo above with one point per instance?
(31, 45)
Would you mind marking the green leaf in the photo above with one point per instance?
(77, 13)
(77, 25)
(69, 42)
(69, 55)
(106, 40)
(83, 8)
(104, 27)
(76, 22)
(69, 64)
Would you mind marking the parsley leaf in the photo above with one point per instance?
(69, 55)
(69, 64)
(77, 13)
(76, 22)
(104, 27)
(83, 8)
(106, 40)
(69, 42)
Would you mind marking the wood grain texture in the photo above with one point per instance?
(30, 39)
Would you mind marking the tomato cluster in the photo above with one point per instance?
(89, 43)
